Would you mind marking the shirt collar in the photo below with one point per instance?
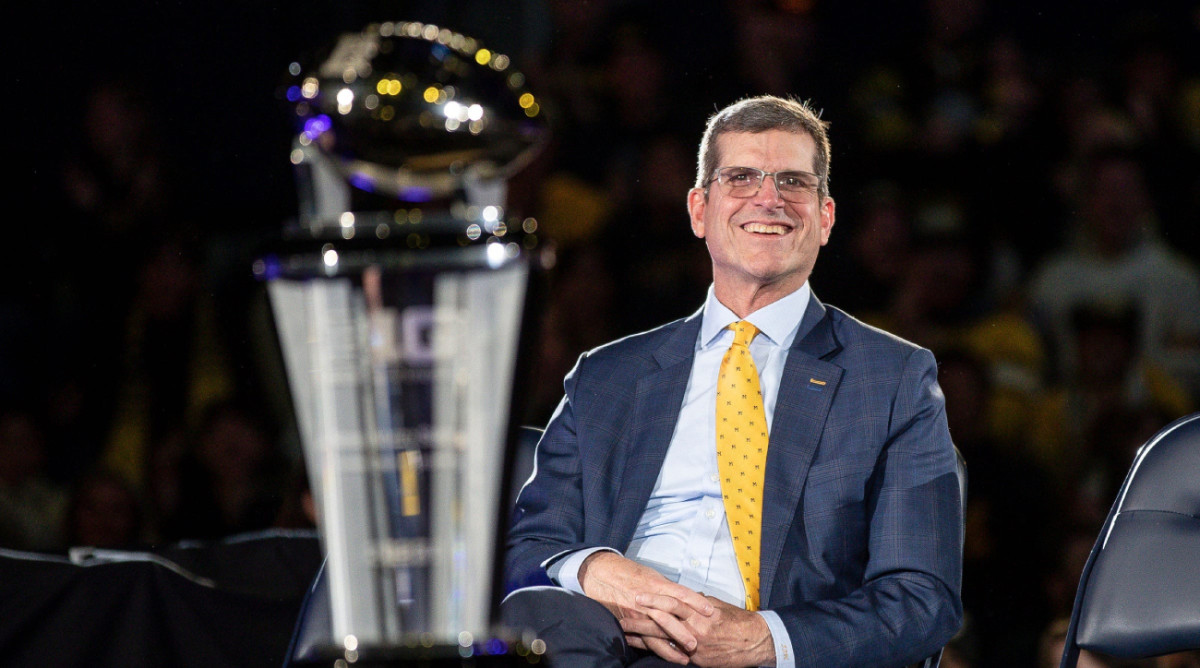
(778, 320)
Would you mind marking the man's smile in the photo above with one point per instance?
(775, 228)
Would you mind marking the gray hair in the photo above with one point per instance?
(760, 114)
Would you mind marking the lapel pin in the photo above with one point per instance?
(816, 385)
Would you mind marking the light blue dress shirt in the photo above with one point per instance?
(683, 533)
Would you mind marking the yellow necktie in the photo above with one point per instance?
(742, 453)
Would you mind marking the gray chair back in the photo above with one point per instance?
(1139, 594)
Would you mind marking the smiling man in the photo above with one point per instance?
(767, 482)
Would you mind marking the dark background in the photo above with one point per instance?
(148, 145)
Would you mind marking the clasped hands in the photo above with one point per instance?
(673, 621)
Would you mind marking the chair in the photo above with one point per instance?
(1139, 594)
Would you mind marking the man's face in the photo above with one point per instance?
(762, 240)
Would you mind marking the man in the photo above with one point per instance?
(1118, 256)
(854, 547)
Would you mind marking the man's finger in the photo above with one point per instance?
(628, 613)
(644, 627)
(668, 604)
(693, 599)
(675, 629)
(666, 650)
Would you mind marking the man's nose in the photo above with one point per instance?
(768, 193)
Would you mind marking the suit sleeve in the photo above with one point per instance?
(548, 518)
(908, 605)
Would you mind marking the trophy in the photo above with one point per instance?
(399, 298)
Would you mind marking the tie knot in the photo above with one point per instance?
(743, 333)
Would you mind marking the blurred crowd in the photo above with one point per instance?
(1018, 189)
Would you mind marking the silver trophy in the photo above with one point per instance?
(399, 301)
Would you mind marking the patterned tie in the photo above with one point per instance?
(742, 453)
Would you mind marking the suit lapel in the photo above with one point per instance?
(657, 401)
(806, 391)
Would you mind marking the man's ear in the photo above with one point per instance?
(697, 201)
(828, 216)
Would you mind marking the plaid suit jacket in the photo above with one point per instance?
(861, 538)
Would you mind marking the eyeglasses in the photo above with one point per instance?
(747, 181)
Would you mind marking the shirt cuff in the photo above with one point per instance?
(565, 570)
(784, 657)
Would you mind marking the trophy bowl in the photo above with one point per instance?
(406, 109)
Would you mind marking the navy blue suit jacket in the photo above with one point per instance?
(861, 539)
